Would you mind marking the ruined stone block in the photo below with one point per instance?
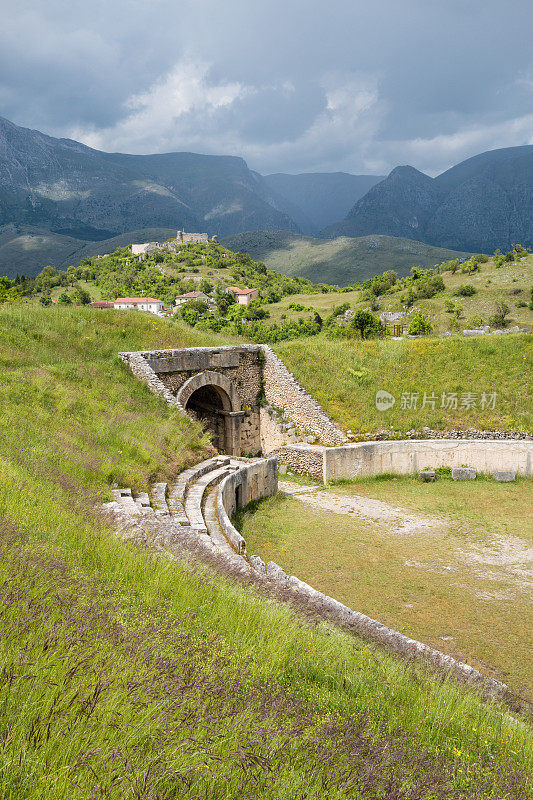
(504, 476)
(426, 475)
(463, 474)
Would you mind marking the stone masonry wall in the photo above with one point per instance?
(254, 370)
(283, 391)
(302, 459)
(407, 457)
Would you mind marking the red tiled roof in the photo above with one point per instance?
(137, 300)
(191, 294)
(102, 304)
(236, 290)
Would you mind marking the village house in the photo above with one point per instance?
(139, 304)
(102, 304)
(243, 296)
(181, 299)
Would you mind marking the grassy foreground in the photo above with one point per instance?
(126, 676)
(344, 376)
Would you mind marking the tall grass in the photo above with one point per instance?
(344, 376)
(129, 676)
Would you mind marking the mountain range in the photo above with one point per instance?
(479, 205)
(61, 201)
(323, 197)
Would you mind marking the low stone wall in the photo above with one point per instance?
(283, 391)
(375, 631)
(407, 457)
(251, 482)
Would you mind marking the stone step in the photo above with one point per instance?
(195, 496)
(143, 501)
(159, 499)
(178, 491)
(127, 505)
(213, 526)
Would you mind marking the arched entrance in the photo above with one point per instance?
(212, 398)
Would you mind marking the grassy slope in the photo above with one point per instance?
(128, 677)
(26, 250)
(344, 376)
(459, 585)
(340, 261)
(510, 283)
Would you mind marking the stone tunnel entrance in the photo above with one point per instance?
(207, 405)
(212, 399)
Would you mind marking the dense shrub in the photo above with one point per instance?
(499, 318)
(419, 324)
(366, 324)
(466, 290)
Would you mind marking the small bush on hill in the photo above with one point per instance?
(466, 290)
(8, 290)
(419, 324)
(499, 318)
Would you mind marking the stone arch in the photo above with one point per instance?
(212, 398)
(229, 396)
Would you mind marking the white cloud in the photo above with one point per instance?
(166, 115)
(437, 153)
(187, 110)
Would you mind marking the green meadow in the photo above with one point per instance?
(130, 676)
(344, 376)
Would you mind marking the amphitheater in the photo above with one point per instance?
(258, 416)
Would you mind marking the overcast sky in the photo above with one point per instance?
(290, 85)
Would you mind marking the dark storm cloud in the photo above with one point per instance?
(290, 85)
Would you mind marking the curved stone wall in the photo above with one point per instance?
(251, 482)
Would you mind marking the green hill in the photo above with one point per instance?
(25, 250)
(132, 676)
(510, 283)
(340, 261)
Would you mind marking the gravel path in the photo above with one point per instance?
(397, 520)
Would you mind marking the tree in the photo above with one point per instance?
(366, 324)
(8, 290)
(65, 299)
(498, 319)
(45, 300)
(419, 324)
(224, 300)
(193, 310)
(82, 296)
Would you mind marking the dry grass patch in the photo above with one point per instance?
(460, 579)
